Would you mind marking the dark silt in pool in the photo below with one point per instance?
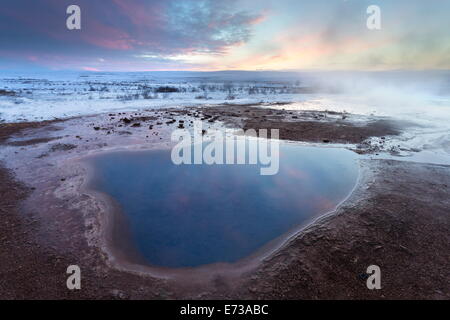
(191, 215)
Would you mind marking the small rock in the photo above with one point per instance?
(363, 276)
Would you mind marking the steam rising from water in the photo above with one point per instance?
(390, 92)
(422, 97)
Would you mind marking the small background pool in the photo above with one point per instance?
(191, 215)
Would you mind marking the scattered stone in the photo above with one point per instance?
(363, 276)
(62, 147)
(7, 93)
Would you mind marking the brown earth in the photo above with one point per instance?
(397, 218)
(308, 126)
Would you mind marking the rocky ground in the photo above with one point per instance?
(397, 218)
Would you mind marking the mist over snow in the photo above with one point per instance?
(420, 97)
(43, 96)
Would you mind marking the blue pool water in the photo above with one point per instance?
(191, 215)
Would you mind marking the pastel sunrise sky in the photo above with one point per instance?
(208, 35)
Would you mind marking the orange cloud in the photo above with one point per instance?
(309, 51)
(91, 69)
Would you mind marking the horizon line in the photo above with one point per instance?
(229, 70)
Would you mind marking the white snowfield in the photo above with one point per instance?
(421, 97)
(48, 96)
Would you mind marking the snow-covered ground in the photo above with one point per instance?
(421, 97)
(50, 95)
(60, 95)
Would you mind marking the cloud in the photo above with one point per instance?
(233, 34)
(208, 26)
(118, 27)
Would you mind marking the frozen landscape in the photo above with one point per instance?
(420, 97)
(50, 95)
(395, 125)
(225, 150)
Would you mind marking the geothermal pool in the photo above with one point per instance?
(192, 215)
